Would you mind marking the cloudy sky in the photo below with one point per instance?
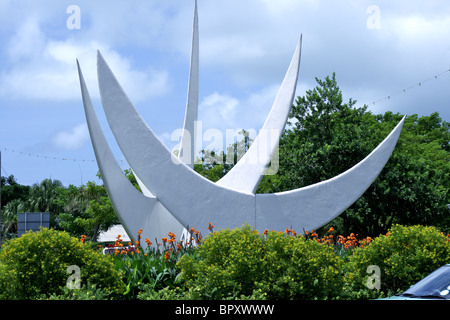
(376, 48)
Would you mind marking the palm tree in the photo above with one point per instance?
(9, 215)
(42, 196)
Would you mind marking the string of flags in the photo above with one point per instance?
(50, 157)
(419, 84)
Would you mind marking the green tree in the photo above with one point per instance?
(327, 136)
(9, 216)
(85, 210)
(37, 198)
(12, 190)
(214, 164)
(13, 196)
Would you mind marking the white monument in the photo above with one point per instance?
(175, 196)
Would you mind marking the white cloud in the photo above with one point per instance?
(45, 69)
(218, 111)
(26, 41)
(224, 112)
(73, 139)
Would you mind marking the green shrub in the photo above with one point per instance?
(36, 264)
(299, 268)
(404, 255)
(85, 292)
(148, 292)
(7, 287)
(232, 264)
(226, 264)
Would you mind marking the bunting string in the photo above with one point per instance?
(418, 84)
(22, 153)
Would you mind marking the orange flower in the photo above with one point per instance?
(164, 239)
(331, 230)
(167, 255)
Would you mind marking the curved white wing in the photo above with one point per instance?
(188, 138)
(247, 173)
(190, 197)
(134, 210)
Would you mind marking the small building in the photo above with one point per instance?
(32, 221)
(111, 234)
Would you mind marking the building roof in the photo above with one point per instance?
(111, 234)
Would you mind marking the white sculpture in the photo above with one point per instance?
(175, 196)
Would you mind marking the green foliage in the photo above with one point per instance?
(151, 270)
(12, 190)
(148, 292)
(9, 216)
(42, 195)
(298, 268)
(214, 164)
(328, 136)
(404, 255)
(36, 264)
(86, 292)
(241, 263)
(226, 264)
(37, 198)
(85, 210)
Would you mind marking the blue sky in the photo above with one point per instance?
(376, 48)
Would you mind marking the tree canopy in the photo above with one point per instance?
(79, 210)
(326, 136)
